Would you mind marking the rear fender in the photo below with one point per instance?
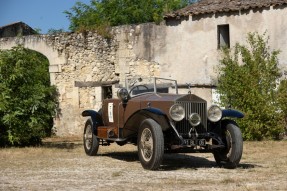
(232, 113)
(96, 119)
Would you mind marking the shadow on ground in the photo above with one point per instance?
(62, 145)
(174, 161)
(171, 162)
(184, 161)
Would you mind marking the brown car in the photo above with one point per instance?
(151, 114)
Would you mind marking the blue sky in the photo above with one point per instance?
(40, 14)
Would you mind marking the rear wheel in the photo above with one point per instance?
(231, 155)
(91, 142)
(150, 144)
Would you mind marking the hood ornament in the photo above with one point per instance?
(189, 88)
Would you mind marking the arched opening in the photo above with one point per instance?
(28, 102)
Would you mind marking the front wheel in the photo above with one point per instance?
(231, 155)
(91, 142)
(150, 144)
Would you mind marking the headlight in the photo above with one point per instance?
(177, 112)
(214, 113)
(123, 94)
(194, 119)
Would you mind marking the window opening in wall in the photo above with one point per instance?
(107, 92)
(223, 36)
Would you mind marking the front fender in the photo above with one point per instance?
(133, 122)
(232, 113)
(96, 118)
(155, 111)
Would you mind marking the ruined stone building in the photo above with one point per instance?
(16, 29)
(86, 67)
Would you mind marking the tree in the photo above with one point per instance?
(248, 79)
(282, 99)
(27, 101)
(52, 31)
(37, 30)
(103, 13)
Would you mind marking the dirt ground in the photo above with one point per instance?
(64, 166)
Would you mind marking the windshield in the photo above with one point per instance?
(139, 85)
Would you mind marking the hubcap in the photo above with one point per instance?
(88, 137)
(146, 144)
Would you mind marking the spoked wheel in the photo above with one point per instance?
(150, 144)
(91, 142)
(231, 155)
(146, 144)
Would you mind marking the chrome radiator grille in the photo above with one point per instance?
(183, 127)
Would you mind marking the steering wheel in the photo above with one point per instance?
(138, 88)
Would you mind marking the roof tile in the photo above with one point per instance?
(214, 6)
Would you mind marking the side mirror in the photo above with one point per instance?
(123, 95)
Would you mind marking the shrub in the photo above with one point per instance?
(27, 101)
(248, 79)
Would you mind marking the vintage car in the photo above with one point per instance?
(152, 115)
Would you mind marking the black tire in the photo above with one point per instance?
(231, 155)
(150, 144)
(91, 142)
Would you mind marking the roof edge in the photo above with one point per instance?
(222, 6)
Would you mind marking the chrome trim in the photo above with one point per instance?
(181, 108)
(193, 107)
(153, 80)
(191, 117)
(193, 129)
(212, 108)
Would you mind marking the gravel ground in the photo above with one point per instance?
(65, 166)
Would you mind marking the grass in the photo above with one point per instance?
(60, 166)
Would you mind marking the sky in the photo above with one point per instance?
(38, 14)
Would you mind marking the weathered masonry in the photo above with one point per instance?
(87, 68)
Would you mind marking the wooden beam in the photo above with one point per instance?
(82, 84)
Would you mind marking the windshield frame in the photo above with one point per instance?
(132, 82)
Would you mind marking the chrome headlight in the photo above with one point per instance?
(214, 113)
(194, 119)
(177, 112)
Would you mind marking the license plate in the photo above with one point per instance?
(189, 142)
(201, 142)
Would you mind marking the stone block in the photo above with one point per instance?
(55, 68)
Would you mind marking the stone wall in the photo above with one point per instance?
(82, 65)
(86, 66)
(89, 58)
(96, 62)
